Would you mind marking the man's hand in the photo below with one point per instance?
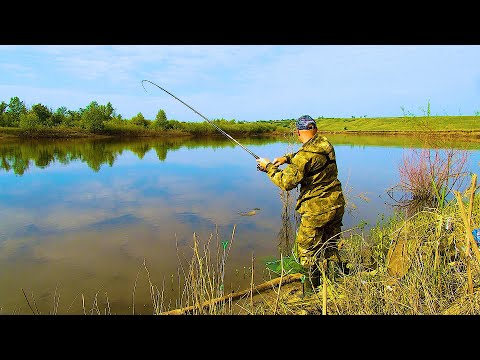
(262, 164)
(279, 161)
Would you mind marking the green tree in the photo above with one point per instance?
(139, 120)
(174, 124)
(15, 109)
(161, 120)
(62, 110)
(16, 106)
(109, 111)
(42, 112)
(72, 118)
(30, 121)
(93, 117)
(59, 116)
(56, 119)
(3, 107)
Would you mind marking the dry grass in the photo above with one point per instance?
(429, 175)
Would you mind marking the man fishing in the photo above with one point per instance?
(321, 203)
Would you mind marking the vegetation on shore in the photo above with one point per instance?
(425, 264)
(96, 120)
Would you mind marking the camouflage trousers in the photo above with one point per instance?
(317, 238)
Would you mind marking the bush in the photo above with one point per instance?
(29, 121)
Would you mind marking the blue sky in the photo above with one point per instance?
(247, 82)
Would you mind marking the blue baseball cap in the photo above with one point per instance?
(304, 121)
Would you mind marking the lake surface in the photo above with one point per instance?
(80, 220)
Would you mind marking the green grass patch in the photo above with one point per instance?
(403, 124)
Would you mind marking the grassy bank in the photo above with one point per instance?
(76, 133)
(455, 126)
(402, 124)
(427, 263)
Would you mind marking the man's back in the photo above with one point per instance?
(320, 189)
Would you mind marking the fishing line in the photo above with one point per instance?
(219, 129)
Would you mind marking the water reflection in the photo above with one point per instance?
(79, 217)
(19, 156)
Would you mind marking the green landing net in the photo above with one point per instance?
(290, 266)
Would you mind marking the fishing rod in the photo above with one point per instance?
(223, 132)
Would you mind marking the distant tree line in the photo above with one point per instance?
(97, 118)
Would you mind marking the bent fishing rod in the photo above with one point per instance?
(219, 129)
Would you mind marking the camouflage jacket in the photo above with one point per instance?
(314, 168)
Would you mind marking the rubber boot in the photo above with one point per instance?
(312, 281)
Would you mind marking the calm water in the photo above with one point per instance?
(80, 217)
